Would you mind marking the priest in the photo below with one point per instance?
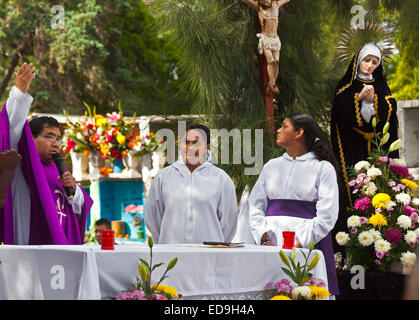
(37, 209)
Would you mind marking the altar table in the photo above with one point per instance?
(87, 272)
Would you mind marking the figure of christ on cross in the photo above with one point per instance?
(269, 43)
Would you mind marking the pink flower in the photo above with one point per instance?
(361, 175)
(358, 180)
(397, 188)
(377, 262)
(114, 117)
(363, 203)
(351, 183)
(366, 180)
(354, 230)
(363, 220)
(379, 254)
(355, 191)
(391, 183)
(378, 210)
(384, 159)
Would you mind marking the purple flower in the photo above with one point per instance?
(354, 230)
(378, 262)
(363, 203)
(400, 170)
(393, 235)
(363, 220)
(379, 254)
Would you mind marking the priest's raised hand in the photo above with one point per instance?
(24, 76)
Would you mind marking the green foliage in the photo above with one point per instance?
(107, 51)
(299, 273)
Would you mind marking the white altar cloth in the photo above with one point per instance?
(87, 272)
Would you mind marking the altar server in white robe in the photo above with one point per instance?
(298, 192)
(192, 200)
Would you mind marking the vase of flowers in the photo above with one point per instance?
(132, 164)
(143, 289)
(80, 165)
(382, 228)
(301, 284)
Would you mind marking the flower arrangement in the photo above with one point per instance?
(149, 145)
(143, 289)
(382, 227)
(111, 136)
(306, 286)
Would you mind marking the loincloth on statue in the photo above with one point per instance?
(273, 44)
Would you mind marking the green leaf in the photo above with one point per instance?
(156, 266)
(289, 274)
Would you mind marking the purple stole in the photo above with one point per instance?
(307, 210)
(52, 220)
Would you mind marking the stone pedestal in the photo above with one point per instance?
(408, 116)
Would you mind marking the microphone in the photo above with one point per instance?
(59, 162)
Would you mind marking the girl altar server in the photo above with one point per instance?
(298, 192)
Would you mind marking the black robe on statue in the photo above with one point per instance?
(350, 133)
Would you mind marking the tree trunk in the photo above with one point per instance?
(13, 63)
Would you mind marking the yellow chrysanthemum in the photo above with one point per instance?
(377, 220)
(166, 290)
(280, 297)
(319, 292)
(380, 200)
(121, 139)
(410, 184)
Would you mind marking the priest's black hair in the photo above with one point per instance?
(38, 124)
(204, 129)
(312, 137)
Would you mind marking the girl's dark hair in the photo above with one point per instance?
(205, 130)
(312, 138)
(38, 124)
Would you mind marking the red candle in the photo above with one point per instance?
(288, 239)
(108, 239)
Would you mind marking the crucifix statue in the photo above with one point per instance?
(269, 43)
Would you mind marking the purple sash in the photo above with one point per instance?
(307, 210)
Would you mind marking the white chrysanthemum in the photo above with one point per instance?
(374, 172)
(403, 198)
(342, 238)
(365, 238)
(375, 234)
(410, 237)
(408, 258)
(399, 162)
(304, 291)
(415, 202)
(390, 204)
(369, 189)
(404, 221)
(353, 221)
(362, 165)
(382, 245)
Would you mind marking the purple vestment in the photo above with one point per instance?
(307, 210)
(52, 220)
